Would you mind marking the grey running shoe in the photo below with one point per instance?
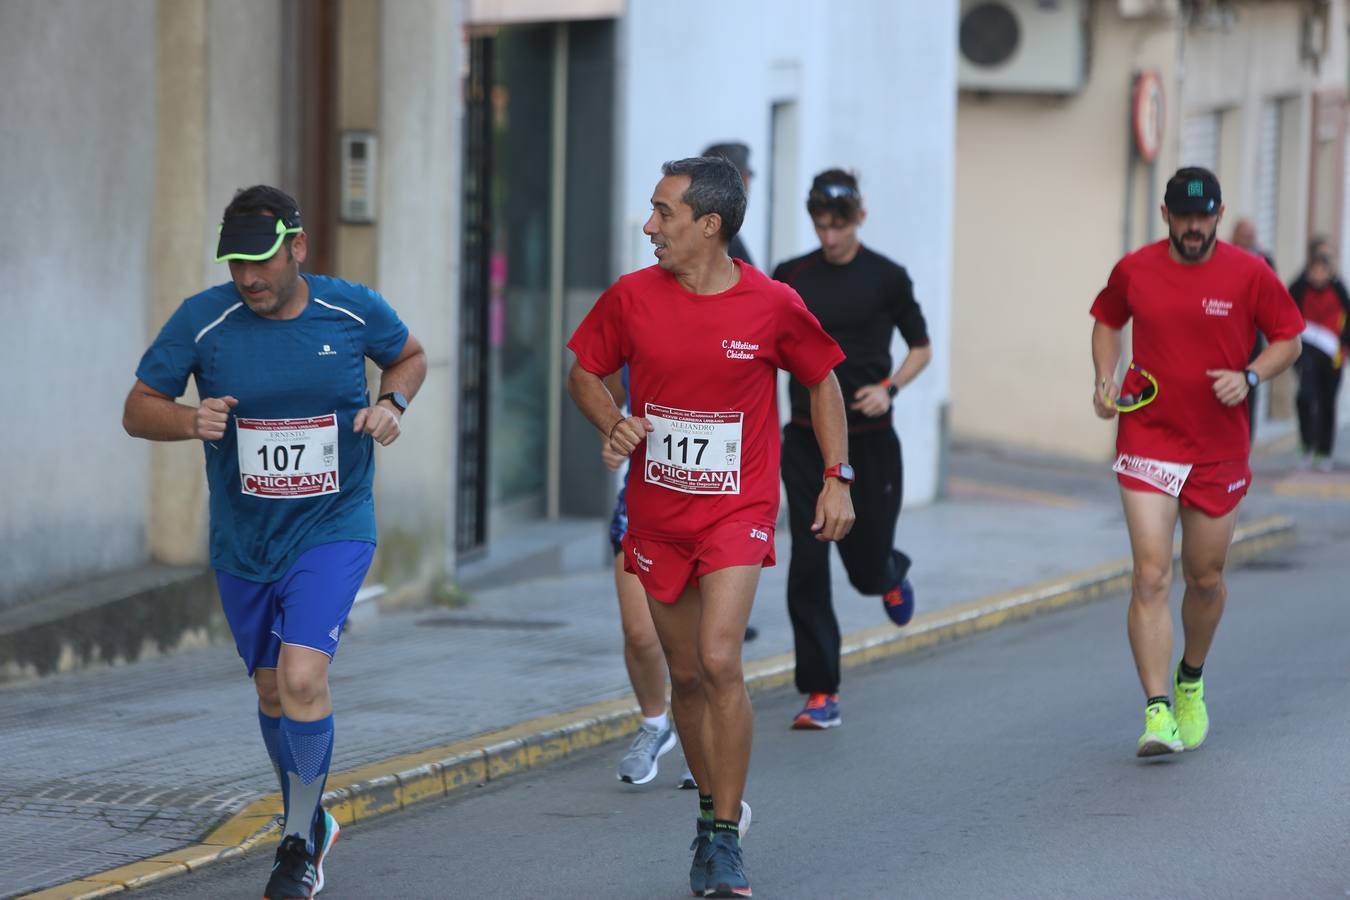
(702, 847)
(726, 872)
(638, 765)
(687, 782)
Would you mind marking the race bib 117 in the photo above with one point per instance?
(694, 452)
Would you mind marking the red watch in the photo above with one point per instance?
(842, 471)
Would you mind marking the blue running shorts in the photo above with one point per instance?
(307, 606)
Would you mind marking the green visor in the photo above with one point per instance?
(252, 238)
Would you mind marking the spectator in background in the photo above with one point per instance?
(739, 156)
(1325, 305)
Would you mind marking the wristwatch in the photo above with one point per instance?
(842, 471)
(399, 401)
(1252, 379)
(891, 388)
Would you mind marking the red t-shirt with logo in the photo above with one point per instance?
(703, 369)
(1189, 319)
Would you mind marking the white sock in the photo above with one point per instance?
(657, 723)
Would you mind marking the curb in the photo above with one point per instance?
(393, 784)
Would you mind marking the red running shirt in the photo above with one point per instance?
(703, 369)
(1189, 319)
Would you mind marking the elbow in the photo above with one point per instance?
(574, 378)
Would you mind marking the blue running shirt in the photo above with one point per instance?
(289, 474)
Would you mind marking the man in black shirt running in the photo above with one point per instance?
(859, 296)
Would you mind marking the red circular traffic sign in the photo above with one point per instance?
(1147, 114)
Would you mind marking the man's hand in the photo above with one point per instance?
(1103, 399)
(212, 417)
(1229, 386)
(612, 460)
(627, 433)
(871, 400)
(380, 422)
(834, 511)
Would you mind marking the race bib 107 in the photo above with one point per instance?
(282, 459)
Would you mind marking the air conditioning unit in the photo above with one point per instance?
(1023, 46)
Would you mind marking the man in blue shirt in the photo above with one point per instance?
(288, 431)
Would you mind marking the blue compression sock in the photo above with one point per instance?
(306, 753)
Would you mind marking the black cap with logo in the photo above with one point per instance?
(1193, 190)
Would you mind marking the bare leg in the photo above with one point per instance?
(1204, 550)
(641, 647)
(269, 694)
(677, 624)
(1151, 519)
(727, 597)
(302, 676)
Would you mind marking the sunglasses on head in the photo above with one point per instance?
(835, 191)
(1138, 389)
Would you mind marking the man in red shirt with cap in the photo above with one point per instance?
(1183, 442)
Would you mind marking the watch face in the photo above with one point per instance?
(846, 472)
(1252, 378)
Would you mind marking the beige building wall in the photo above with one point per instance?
(1041, 187)
(1041, 214)
(417, 268)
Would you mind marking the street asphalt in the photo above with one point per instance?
(999, 766)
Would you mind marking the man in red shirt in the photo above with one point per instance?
(1183, 440)
(1325, 305)
(704, 336)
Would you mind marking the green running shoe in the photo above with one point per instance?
(1192, 717)
(1160, 732)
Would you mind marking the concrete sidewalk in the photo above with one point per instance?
(104, 769)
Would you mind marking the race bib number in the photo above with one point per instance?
(1167, 477)
(286, 458)
(694, 452)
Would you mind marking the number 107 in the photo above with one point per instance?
(280, 458)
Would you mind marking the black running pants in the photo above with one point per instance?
(873, 564)
(1319, 381)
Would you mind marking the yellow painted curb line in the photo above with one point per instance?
(1338, 490)
(959, 487)
(401, 781)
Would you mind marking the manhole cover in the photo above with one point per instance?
(487, 622)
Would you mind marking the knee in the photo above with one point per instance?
(685, 678)
(1152, 582)
(722, 667)
(269, 695)
(303, 685)
(641, 642)
(1207, 585)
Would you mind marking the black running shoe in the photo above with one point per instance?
(294, 874)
